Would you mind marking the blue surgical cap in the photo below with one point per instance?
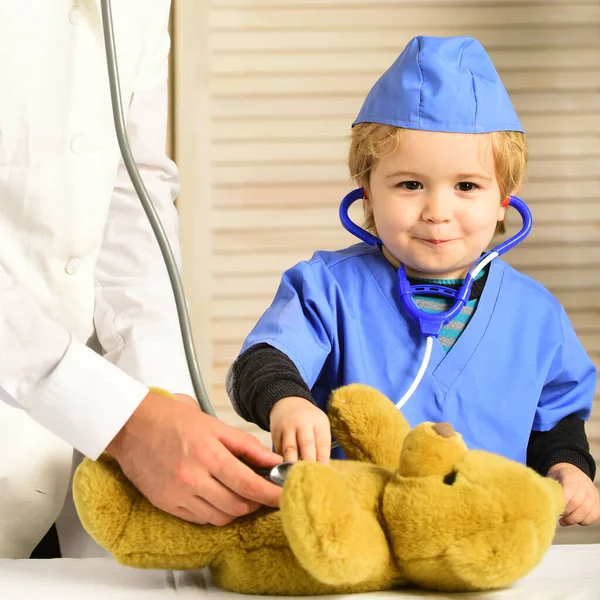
(441, 84)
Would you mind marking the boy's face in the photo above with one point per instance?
(436, 202)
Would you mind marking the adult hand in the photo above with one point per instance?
(185, 462)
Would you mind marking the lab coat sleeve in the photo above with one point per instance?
(153, 68)
(300, 321)
(65, 386)
(59, 382)
(571, 381)
(135, 315)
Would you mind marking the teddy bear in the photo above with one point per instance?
(411, 507)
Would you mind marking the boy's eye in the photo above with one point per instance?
(411, 185)
(466, 186)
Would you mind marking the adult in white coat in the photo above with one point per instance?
(78, 262)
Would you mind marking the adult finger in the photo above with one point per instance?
(201, 512)
(248, 447)
(222, 498)
(186, 515)
(242, 480)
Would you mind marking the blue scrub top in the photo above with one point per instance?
(517, 367)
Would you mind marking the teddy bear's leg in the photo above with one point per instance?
(134, 531)
(332, 537)
(368, 425)
(104, 499)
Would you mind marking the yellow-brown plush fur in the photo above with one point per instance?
(411, 507)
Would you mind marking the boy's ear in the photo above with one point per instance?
(366, 194)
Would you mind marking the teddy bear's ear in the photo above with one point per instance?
(498, 556)
(367, 425)
(431, 449)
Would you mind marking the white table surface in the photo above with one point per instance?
(568, 571)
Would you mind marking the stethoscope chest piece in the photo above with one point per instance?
(276, 474)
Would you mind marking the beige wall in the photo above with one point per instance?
(265, 92)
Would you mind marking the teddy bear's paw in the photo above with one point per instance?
(333, 539)
(491, 559)
(104, 499)
(367, 425)
(497, 557)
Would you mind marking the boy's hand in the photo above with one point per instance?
(582, 503)
(300, 430)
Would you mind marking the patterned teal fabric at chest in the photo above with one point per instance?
(436, 304)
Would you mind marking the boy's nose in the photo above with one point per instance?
(437, 208)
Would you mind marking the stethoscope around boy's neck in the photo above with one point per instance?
(430, 324)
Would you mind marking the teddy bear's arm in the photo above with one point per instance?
(335, 539)
(367, 425)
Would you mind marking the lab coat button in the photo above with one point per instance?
(75, 15)
(77, 145)
(72, 266)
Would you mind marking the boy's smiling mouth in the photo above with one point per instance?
(434, 241)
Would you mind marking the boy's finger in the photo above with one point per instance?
(289, 447)
(591, 509)
(575, 517)
(277, 442)
(573, 500)
(323, 441)
(306, 444)
(594, 514)
(590, 519)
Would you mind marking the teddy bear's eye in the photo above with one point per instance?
(450, 478)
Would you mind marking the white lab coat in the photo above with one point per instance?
(77, 257)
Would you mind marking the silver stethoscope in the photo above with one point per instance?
(430, 324)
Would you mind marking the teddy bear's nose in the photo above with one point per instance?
(444, 429)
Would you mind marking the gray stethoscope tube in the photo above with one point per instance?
(157, 228)
(277, 473)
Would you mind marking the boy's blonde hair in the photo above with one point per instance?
(373, 141)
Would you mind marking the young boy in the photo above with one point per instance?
(437, 148)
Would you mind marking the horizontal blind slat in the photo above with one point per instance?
(348, 106)
(362, 16)
(376, 62)
(313, 128)
(253, 84)
(395, 38)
